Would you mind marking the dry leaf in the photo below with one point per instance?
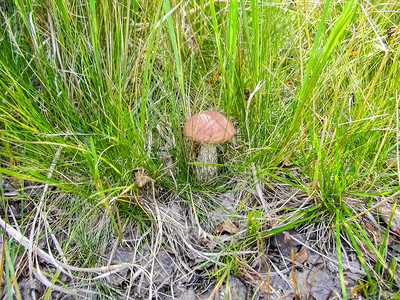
(141, 178)
(301, 256)
(286, 237)
(226, 226)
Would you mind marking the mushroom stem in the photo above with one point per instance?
(207, 154)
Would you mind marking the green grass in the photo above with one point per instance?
(109, 85)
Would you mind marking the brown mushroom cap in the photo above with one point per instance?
(209, 127)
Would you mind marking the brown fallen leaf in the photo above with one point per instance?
(226, 226)
(141, 178)
(286, 237)
(301, 256)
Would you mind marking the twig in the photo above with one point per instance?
(23, 241)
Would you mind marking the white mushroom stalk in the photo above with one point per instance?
(209, 128)
(207, 155)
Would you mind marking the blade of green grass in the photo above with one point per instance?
(255, 16)
(315, 65)
(175, 46)
(339, 255)
(384, 244)
(232, 49)
(219, 45)
(357, 249)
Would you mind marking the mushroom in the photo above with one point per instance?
(209, 128)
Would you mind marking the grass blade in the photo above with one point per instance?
(338, 251)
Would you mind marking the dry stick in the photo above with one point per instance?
(294, 279)
(24, 242)
(202, 232)
(39, 275)
(53, 237)
(113, 250)
(141, 269)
